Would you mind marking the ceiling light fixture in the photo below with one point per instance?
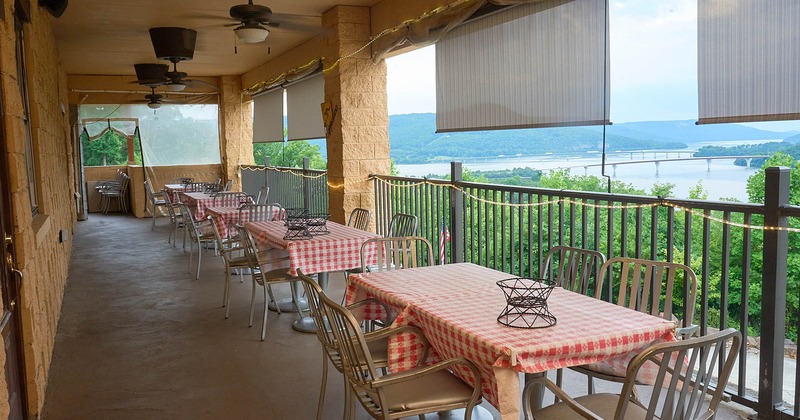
(175, 87)
(251, 33)
(154, 105)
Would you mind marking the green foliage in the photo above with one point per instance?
(289, 154)
(110, 149)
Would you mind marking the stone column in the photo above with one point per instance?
(358, 142)
(235, 129)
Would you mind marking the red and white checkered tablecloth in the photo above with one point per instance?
(226, 217)
(457, 305)
(173, 190)
(197, 201)
(338, 250)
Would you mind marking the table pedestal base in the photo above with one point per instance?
(287, 304)
(306, 324)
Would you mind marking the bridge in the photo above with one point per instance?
(658, 162)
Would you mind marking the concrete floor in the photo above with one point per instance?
(139, 338)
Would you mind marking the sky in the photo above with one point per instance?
(653, 47)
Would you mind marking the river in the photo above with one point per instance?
(721, 179)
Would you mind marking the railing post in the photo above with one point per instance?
(456, 215)
(266, 171)
(306, 184)
(773, 292)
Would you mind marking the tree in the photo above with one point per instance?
(289, 154)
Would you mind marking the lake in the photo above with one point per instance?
(721, 179)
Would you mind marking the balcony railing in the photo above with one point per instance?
(738, 250)
(291, 187)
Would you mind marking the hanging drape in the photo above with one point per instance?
(748, 56)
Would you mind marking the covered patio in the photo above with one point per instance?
(158, 346)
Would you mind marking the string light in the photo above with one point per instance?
(258, 87)
(596, 206)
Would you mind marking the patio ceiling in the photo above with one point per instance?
(107, 37)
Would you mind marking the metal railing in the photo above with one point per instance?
(291, 187)
(511, 228)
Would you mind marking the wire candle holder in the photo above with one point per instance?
(526, 303)
(300, 224)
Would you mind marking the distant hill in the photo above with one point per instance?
(687, 131)
(414, 139)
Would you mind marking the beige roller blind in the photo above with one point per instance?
(268, 117)
(748, 59)
(535, 65)
(304, 115)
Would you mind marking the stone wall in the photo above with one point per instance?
(41, 257)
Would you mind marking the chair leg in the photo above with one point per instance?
(154, 218)
(559, 381)
(590, 385)
(324, 385)
(272, 299)
(252, 303)
(266, 311)
(225, 289)
(350, 401)
(191, 253)
(199, 258)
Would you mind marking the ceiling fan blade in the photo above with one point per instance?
(299, 23)
(195, 83)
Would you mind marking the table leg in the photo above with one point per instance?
(287, 305)
(306, 324)
(478, 413)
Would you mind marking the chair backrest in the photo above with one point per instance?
(228, 185)
(690, 371)
(651, 287)
(263, 194)
(403, 225)
(572, 268)
(324, 335)
(359, 218)
(351, 346)
(195, 187)
(396, 253)
(231, 199)
(261, 212)
(150, 194)
(188, 220)
(250, 253)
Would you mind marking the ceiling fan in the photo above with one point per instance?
(175, 45)
(155, 100)
(254, 21)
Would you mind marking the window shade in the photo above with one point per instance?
(268, 117)
(541, 64)
(748, 59)
(304, 115)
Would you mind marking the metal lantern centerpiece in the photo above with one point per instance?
(301, 224)
(526, 303)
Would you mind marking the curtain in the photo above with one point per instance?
(748, 56)
(540, 64)
(303, 111)
(268, 116)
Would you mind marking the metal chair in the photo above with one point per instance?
(176, 221)
(258, 262)
(359, 218)
(573, 269)
(231, 199)
(194, 187)
(200, 232)
(261, 212)
(263, 194)
(395, 253)
(228, 186)
(403, 225)
(650, 287)
(118, 192)
(232, 253)
(686, 378)
(417, 391)
(157, 201)
(377, 341)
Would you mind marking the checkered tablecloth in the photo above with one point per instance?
(226, 217)
(338, 250)
(457, 305)
(173, 190)
(198, 202)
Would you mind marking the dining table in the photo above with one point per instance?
(226, 217)
(336, 249)
(457, 307)
(198, 202)
(173, 190)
